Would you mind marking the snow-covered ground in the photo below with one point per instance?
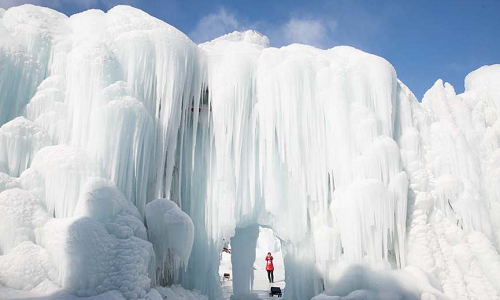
(49, 291)
(128, 154)
(261, 285)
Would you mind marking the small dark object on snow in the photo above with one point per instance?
(226, 276)
(275, 290)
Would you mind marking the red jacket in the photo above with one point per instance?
(269, 263)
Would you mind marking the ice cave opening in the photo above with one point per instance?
(243, 266)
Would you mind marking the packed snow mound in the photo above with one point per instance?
(101, 113)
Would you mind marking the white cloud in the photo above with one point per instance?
(456, 67)
(215, 25)
(317, 32)
(314, 32)
(311, 31)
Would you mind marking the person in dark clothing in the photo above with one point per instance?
(270, 267)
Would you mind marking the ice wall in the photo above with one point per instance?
(101, 113)
(449, 155)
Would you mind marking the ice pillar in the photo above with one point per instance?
(243, 246)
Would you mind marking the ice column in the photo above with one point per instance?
(243, 246)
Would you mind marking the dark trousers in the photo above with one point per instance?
(270, 275)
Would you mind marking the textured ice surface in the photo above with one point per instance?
(171, 232)
(7, 182)
(89, 260)
(101, 113)
(25, 267)
(22, 213)
(103, 202)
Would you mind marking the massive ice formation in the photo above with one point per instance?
(101, 113)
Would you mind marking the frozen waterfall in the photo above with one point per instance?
(129, 155)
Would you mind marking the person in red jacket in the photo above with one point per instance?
(270, 267)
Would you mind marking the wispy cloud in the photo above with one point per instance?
(314, 32)
(215, 25)
(456, 67)
(304, 30)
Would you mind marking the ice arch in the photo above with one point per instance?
(286, 139)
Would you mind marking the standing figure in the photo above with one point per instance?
(270, 267)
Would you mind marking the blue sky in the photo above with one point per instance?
(423, 39)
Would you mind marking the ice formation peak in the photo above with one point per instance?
(248, 36)
(129, 155)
